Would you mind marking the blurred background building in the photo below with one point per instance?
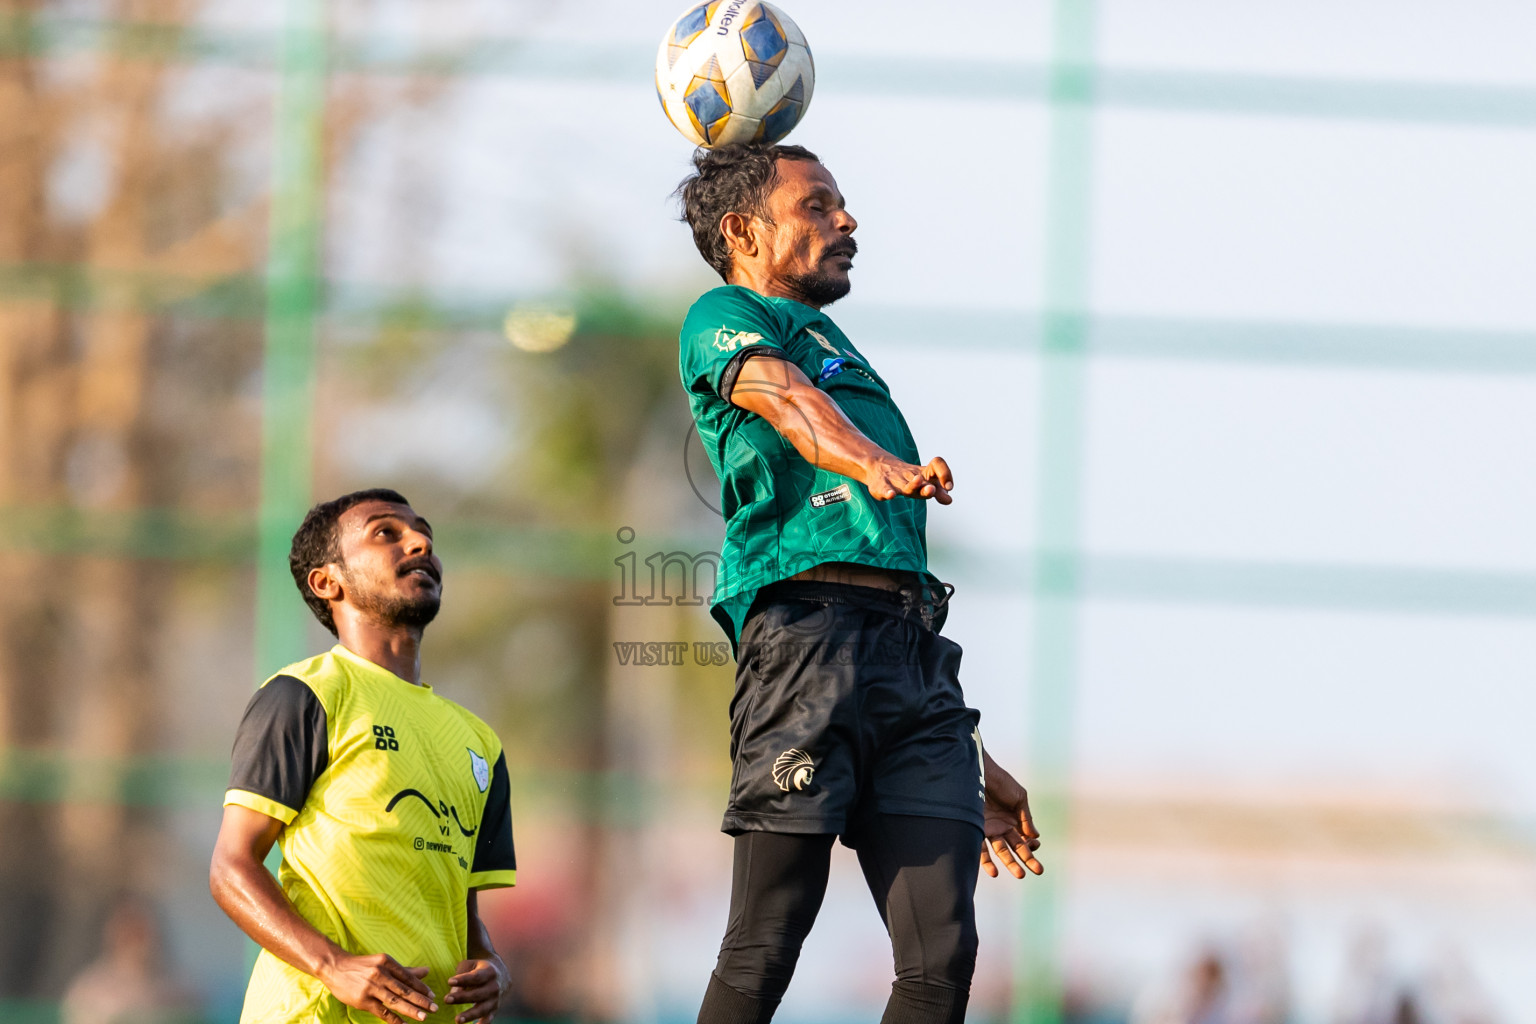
(1221, 312)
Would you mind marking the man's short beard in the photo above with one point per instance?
(818, 288)
(397, 609)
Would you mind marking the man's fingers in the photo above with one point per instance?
(1005, 854)
(411, 976)
(401, 997)
(425, 1000)
(393, 994)
(479, 984)
(472, 993)
(407, 1003)
(986, 862)
(472, 974)
(405, 984)
(379, 1010)
(922, 484)
(479, 1011)
(941, 472)
(1024, 848)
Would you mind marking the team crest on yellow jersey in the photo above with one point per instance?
(477, 764)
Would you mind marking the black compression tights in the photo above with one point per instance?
(922, 874)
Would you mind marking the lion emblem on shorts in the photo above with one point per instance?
(793, 770)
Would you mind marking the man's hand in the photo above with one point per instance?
(248, 893)
(888, 478)
(481, 982)
(1008, 827)
(376, 983)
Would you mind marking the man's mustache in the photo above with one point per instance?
(847, 247)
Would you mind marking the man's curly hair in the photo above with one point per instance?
(318, 543)
(730, 179)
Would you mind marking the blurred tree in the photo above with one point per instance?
(128, 249)
(84, 355)
(120, 212)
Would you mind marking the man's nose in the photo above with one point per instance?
(418, 543)
(846, 225)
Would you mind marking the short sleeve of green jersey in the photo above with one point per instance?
(723, 330)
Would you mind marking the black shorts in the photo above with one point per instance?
(848, 705)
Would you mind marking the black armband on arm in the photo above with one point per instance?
(733, 367)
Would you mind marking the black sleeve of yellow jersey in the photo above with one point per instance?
(495, 863)
(280, 748)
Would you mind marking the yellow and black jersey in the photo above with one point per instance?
(396, 804)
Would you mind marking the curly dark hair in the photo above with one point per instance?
(317, 543)
(730, 179)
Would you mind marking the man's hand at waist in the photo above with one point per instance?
(247, 892)
(378, 984)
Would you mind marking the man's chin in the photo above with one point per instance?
(821, 288)
(419, 612)
(414, 612)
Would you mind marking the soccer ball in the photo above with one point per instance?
(734, 71)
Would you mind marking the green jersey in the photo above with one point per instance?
(782, 514)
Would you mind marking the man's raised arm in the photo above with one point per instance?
(811, 420)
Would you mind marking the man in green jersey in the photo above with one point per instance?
(848, 719)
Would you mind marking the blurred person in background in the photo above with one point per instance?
(1261, 982)
(1202, 996)
(1405, 1009)
(848, 717)
(391, 805)
(1452, 992)
(129, 982)
(1446, 991)
(1367, 993)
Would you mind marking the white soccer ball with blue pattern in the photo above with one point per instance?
(734, 71)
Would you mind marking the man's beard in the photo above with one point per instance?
(396, 609)
(820, 287)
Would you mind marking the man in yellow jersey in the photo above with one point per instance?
(389, 803)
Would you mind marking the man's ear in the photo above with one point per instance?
(325, 582)
(739, 234)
